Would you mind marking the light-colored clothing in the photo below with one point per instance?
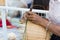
(54, 11)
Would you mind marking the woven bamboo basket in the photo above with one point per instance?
(36, 32)
(2, 2)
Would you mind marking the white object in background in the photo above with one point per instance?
(11, 36)
(59, 0)
(16, 3)
(4, 24)
(54, 11)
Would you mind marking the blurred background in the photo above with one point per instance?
(16, 27)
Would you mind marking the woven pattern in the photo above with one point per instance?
(36, 32)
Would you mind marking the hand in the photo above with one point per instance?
(33, 17)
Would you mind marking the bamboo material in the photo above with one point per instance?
(36, 32)
(2, 2)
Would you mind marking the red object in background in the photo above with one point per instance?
(7, 23)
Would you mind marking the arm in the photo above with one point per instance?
(41, 21)
(52, 27)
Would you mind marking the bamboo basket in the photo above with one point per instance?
(36, 32)
(2, 2)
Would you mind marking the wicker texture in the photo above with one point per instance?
(36, 32)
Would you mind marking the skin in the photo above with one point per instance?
(41, 21)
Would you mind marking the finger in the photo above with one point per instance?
(25, 15)
(30, 19)
(29, 16)
(30, 13)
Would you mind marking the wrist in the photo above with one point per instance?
(44, 22)
(48, 25)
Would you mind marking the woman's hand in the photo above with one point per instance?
(33, 17)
